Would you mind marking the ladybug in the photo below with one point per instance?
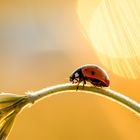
(90, 73)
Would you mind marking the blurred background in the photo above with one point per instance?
(43, 41)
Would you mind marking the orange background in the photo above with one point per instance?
(41, 43)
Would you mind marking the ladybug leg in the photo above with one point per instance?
(94, 84)
(75, 81)
(78, 81)
(84, 82)
(78, 85)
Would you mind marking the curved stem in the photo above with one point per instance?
(115, 96)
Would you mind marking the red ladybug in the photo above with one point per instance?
(91, 73)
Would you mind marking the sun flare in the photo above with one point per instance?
(114, 31)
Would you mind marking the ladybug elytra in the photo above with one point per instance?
(90, 73)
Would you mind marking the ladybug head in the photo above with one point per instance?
(72, 77)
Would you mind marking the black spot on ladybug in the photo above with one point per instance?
(86, 70)
(92, 72)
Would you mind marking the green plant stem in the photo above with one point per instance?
(115, 96)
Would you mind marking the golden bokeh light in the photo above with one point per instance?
(41, 44)
(113, 29)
